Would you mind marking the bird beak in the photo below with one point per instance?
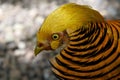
(38, 50)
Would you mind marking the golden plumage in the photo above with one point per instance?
(91, 44)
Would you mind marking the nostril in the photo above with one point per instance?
(40, 44)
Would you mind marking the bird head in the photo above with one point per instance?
(55, 30)
(50, 40)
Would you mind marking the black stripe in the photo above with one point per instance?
(95, 76)
(116, 30)
(83, 71)
(91, 47)
(59, 77)
(118, 66)
(93, 62)
(115, 76)
(80, 44)
(81, 55)
(81, 50)
(64, 73)
(118, 33)
(93, 37)
(96, 36)
(80, 31)
(85, 77)
(103, 74)
(103, 49)
(94, 53)
(103, 36)
(75, 62)
(92, 33)
(88, 33)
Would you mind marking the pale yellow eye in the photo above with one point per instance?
(55, 36)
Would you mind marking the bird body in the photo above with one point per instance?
(90, 44)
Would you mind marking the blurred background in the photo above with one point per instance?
(19, 22)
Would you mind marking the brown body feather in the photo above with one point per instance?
(91, 54)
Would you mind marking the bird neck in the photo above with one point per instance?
(87, 41)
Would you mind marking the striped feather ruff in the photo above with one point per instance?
(93, 53)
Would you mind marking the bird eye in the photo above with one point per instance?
(55, 36)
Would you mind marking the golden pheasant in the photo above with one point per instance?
(90, 45)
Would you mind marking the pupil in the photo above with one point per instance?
(55, 36)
